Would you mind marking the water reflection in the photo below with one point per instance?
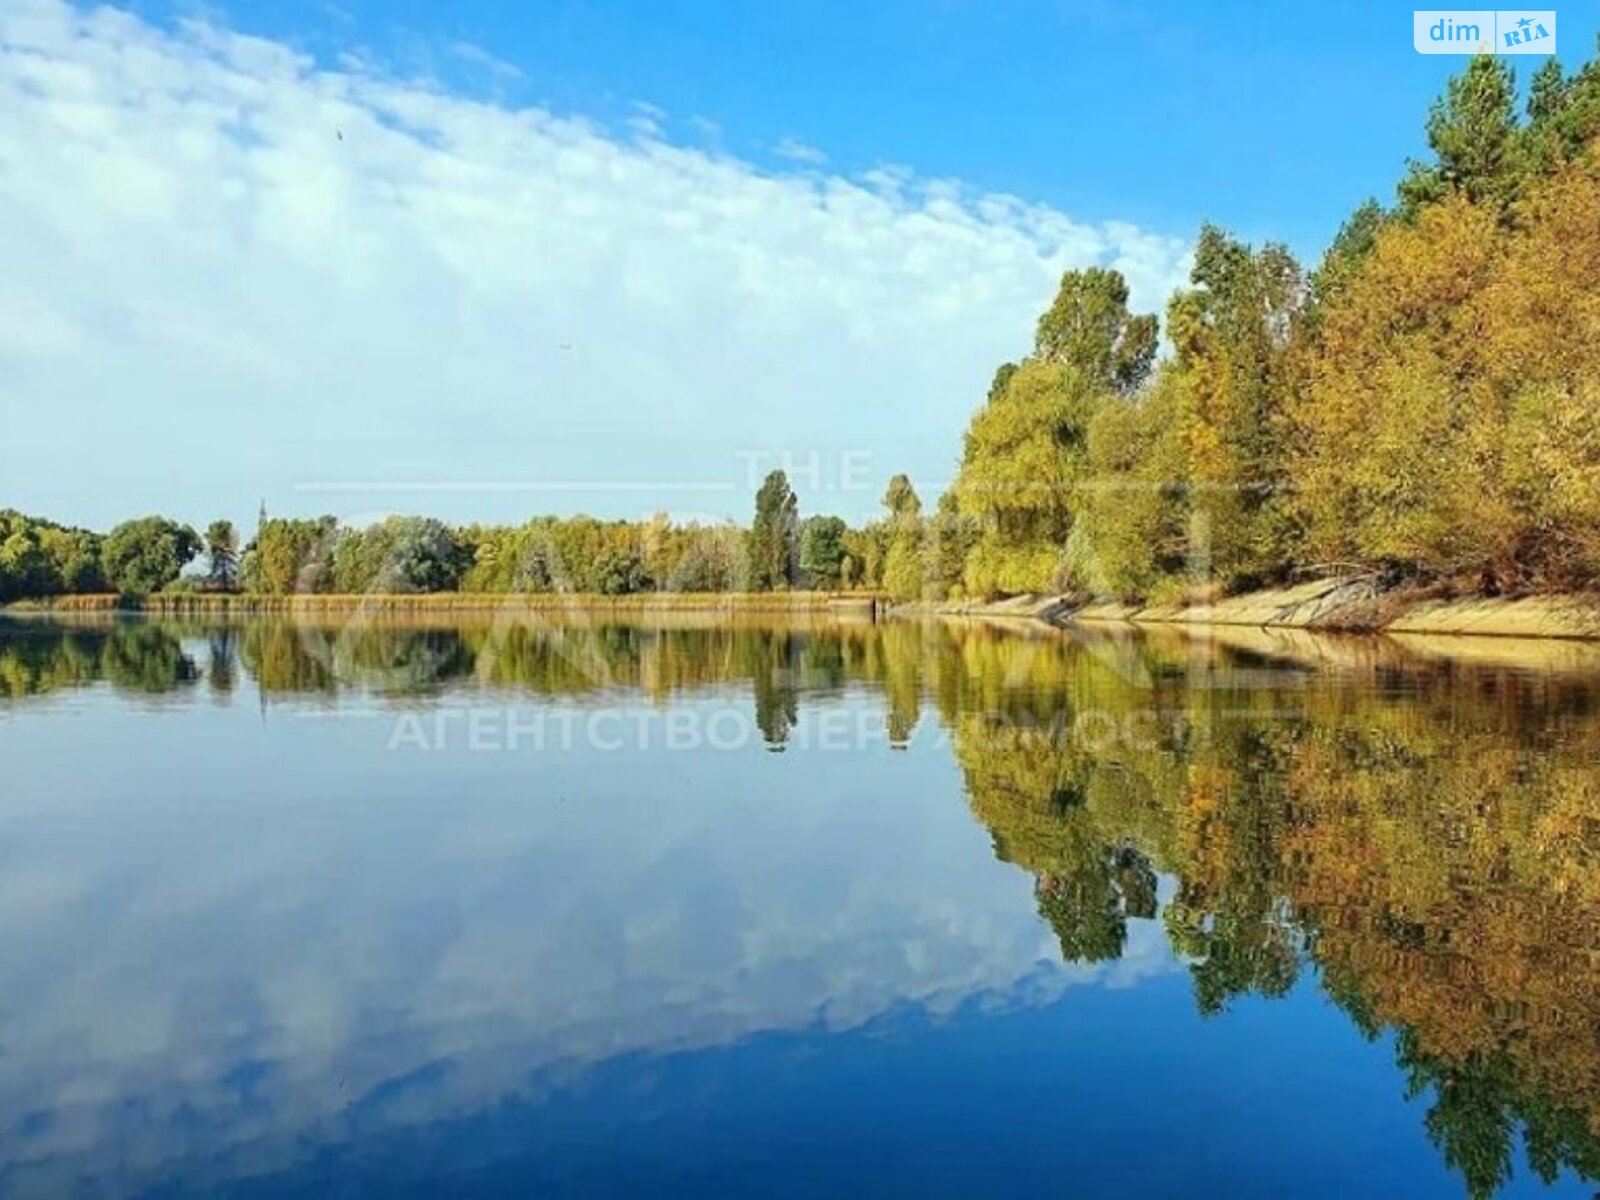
(1414, 835)
(38, 658)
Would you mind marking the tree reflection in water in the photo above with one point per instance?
(1420, 835)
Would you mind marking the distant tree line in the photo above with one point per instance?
(407, 554)
(40, 558)
(779, 551)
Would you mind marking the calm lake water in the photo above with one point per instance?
(474, 908)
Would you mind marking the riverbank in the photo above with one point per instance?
(1339, 605)
(717, 604)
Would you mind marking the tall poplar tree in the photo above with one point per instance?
(775, 535)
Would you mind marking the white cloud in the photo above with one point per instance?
(648, 120)
(243, 270)
(477, 56)
(797, 151)
(705, 127)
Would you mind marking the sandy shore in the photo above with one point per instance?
(1331, 605)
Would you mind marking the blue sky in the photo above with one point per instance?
(486, 260)
(1274, 120)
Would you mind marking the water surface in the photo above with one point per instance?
(480, 908)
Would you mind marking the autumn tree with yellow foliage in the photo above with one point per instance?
(1425, 405)
(1025, 455)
